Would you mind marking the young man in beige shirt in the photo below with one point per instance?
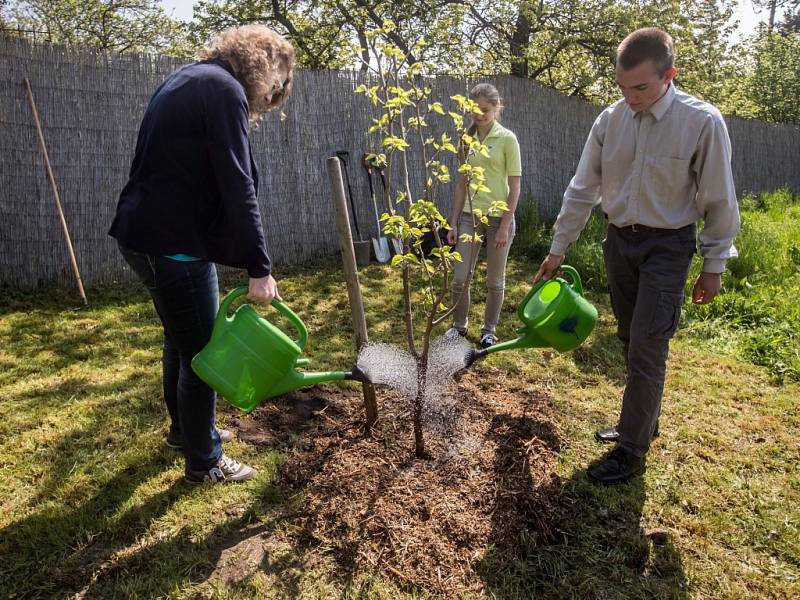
(657, 161)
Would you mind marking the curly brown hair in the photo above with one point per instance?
(263, 62)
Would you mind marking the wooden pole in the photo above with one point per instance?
(55, 191)
(351, 276)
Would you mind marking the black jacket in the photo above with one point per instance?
(193, 183)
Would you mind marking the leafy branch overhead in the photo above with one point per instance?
(567, 45)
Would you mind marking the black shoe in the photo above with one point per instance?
(607, 436)
(619, 465)
(226, 470)
(611, 435)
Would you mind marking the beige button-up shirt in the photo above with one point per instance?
(666, 167)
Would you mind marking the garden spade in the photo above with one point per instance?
(360, 246)
(380, 245)
(397, 245)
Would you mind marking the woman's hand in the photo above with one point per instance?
(501, 235)
(452, 236)
(263, 289)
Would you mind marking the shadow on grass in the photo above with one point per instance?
(585, 541)
(68, 343)
(602, 354)
(52, 299)
(54, 551)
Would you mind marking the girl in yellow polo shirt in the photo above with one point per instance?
(502, 169)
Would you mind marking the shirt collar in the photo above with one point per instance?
(221, 62)
(660, 106)
(494, 131)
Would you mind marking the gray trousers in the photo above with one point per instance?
(496, 259)
(647, 271)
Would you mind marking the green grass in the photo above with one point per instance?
(92, 503)
(758, 316)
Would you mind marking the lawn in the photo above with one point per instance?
(93, 503)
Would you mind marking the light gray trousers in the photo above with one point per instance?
(496, 259)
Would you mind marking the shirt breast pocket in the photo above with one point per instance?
(668, 176)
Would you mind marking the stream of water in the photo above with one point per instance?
(394, 367)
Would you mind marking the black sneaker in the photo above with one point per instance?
(226, 470)
(611, 435)
(175, 440)
(487, 340)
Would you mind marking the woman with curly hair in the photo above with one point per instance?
(190, 202)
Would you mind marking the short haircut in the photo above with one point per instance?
(648, 43)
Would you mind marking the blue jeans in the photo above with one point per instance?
(186, 298)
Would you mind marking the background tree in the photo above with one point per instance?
(704, 57)
(326, 32)
(567, 45)
(320, 33)
(767, 84)
(111, 25)
(772, 6)
(791, 19)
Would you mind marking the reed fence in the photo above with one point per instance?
(91, 103)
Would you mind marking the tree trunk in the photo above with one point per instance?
(519, 43)
(772, 6)
(419, 401)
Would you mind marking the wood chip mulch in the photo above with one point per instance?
(372, 506)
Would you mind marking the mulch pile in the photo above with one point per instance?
(492, 445)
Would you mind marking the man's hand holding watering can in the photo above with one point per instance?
(548, 268)
(263, 289)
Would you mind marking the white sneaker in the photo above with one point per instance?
(454, 333)
(226, 470)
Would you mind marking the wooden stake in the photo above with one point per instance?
(351, 276)
(55, 191)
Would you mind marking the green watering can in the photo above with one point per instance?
(248, 359)
(555, 314)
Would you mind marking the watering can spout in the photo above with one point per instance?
(472, 355)
(356, 374)
(527, 339)
(299, 379)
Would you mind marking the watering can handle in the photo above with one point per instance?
(277, 304)
(576, 279)
(576, 285)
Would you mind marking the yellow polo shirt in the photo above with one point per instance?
(503, 161)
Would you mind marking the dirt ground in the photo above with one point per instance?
(370, 505)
